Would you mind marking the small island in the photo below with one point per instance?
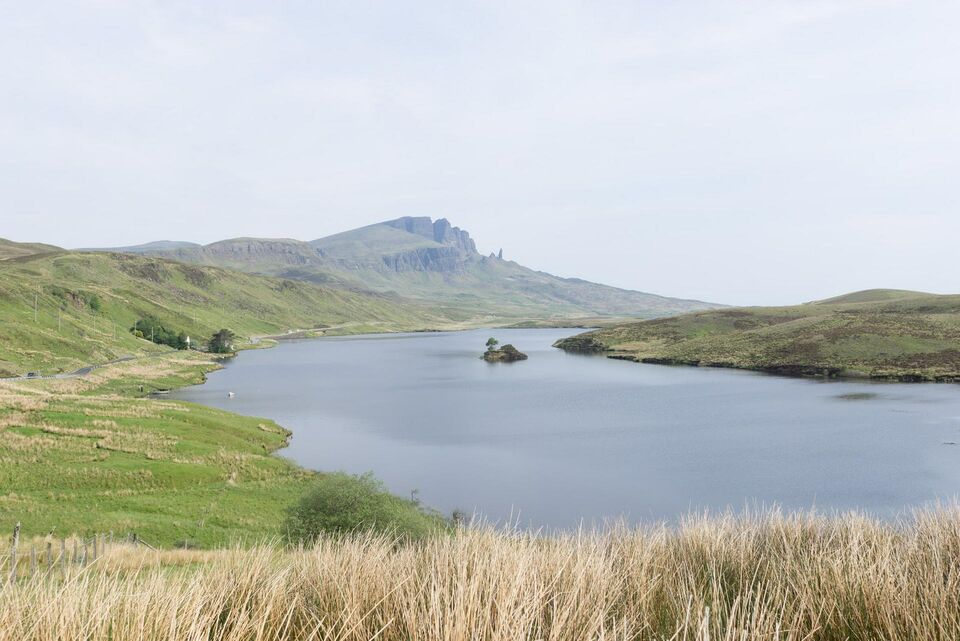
(506, 354)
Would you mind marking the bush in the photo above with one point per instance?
(221, 342)
(340, 503)
(151, 328)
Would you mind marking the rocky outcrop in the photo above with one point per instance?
(289, 252)
(419, 225)
(440, 231)
(506, 354)
(581, 344)
(446, 234)
(427, 259)
(458, 248)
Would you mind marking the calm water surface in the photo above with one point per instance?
(563, 438)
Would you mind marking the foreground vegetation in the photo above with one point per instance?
(775, 577)
(885, 334)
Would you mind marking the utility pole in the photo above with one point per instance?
(59, 320)
(36, 303)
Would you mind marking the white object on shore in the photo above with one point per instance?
(230, 394)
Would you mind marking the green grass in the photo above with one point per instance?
(49, 322)
(87, 456)
(889, 334)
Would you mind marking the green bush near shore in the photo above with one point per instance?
(339, 503)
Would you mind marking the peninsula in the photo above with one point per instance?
(881, 334)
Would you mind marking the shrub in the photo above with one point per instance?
(222, 342)
(340, 503)
(151, 328)
(94, 302)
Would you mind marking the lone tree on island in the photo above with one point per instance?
(222, 342)
(492, 344)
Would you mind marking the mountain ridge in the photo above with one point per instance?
(436, 262)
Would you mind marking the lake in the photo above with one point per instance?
(562, 439)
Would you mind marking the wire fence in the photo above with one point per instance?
(53, 556)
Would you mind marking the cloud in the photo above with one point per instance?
(573, 133)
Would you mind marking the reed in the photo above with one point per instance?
(750, 576)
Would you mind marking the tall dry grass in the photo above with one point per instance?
(770, 576)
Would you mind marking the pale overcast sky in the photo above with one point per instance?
(740, 152)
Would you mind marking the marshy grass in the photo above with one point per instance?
(763, 576)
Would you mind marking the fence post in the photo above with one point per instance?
(76, 550)
(63, 557)
(33, 560)
(13, 552)
(49, 557)
(84, 561)
(94, 547)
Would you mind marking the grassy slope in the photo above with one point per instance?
(86, 456)
(10, 249)
(368, 244)
(67, 332)
(879, 333)
(500, 290)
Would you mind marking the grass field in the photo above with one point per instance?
(763, 577)
(886, 334)
(87, 456)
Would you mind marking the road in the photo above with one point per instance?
(83, 371)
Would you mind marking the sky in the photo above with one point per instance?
(755, 153)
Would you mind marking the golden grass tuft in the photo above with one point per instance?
(769, 576)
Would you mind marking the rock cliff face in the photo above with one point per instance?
(458, 246)
(440, 231)
(247, 250)
(427, 259)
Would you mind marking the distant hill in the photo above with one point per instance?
(10, 249)
(147, 248)
(892, 334)
(64, 310)
(437, 263)
(872, 296)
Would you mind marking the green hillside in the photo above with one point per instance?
(10, 249)
(62, 311)
(888, 334)
(82, 456)
(437, 264)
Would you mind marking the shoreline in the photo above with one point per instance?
(587, 345)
